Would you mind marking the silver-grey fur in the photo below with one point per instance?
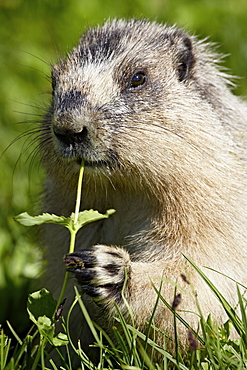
(164, 142)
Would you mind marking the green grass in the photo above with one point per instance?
(131, 349)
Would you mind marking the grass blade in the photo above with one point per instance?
(236, 321)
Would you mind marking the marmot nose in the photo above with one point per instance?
(69, 136)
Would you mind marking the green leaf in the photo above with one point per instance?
(60, 340)
(45, 327)
(27, 220)
(86, 217)
(40, 303)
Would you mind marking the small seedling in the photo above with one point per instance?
(42, 308)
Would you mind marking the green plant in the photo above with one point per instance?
(42, 308)
(132, 349)
(212, 349)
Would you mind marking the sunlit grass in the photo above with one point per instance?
(130, 349)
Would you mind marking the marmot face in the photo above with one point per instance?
(115, 83)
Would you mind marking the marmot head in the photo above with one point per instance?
(117, 80)
(134, 96)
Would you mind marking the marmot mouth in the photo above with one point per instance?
(87, 152)
(71, 154)
(98, 163)
(88, 163)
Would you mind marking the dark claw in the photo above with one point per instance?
(92, 291)
(81, 264)
(80, 260)
(73, 263)
(83, 276)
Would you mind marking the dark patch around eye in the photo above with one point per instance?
(138, 79)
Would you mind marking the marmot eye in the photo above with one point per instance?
(138, 79)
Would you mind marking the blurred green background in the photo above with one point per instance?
(34, 34)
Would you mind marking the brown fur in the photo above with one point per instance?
(167, 155)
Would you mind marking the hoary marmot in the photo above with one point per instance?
(163, 140)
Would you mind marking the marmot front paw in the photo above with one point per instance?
(101, 272)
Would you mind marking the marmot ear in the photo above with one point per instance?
(185, 57)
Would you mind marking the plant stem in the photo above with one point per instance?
(72, 240)
(79, 189)
(42, 356)
(65, 281)
(38, 355)
(73, 230)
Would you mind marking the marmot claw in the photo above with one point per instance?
(101, 272)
